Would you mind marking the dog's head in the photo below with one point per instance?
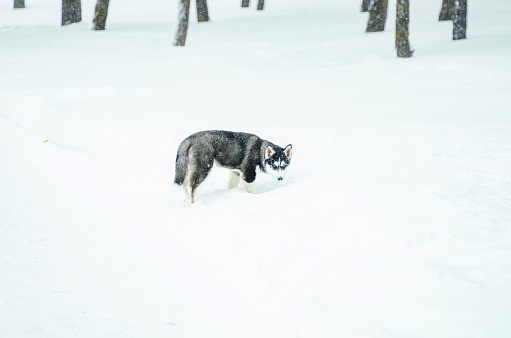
(277, 160)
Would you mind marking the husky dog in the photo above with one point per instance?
(244, 153)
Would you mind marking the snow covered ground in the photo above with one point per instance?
(394, 219)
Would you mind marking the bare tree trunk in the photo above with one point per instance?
(202, 11)
(377, 15)
(244, 3)
(402, 20)
(100, 14)
(446, 11)
(19, 3)
(182, 29)
(459, 20)
(260, 5)
(365, 5)
(71, 11)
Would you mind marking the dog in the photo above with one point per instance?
(245, 154)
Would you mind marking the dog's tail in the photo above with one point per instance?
(182, 162)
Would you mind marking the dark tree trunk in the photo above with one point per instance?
(244, 3)
(459, 20)
(202, 11)
(365, 5)
(182, 29)
(446, 10)
(19, 3)
(260, 5)
(71, 11)
(100, 14)
(402, 20)
(377, 15)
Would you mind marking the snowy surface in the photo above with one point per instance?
(393, 221)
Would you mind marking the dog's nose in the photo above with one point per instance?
(280, 178)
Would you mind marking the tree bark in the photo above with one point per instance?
(71, 11)
(260, 5)
(19, 3)
(182, 29)
(402, 20)
(446, 10)
(459, 20)
(377, 15)
(202, 11)
(244, 3)
(100, 14)
(365, 5)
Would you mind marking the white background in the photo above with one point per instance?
(393, 221)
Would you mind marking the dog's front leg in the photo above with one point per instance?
(248, 179)
(234, 180)
(249, 187)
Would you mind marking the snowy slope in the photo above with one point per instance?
(393, 221)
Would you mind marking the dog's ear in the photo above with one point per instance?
(288, 151)
(269, 152)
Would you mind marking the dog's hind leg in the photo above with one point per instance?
(195, 191)
(197, 178)
(234, 180)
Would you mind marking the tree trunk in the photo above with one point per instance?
(446, 11)
(365, 5)
(19, 3)
(202, 11)
(459, 20)
(71, 11)
(182, 29)
(377, 15)
(260, 5)
(244, 3)
(100, 14)
(402, 20)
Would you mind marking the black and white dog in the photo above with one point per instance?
(245, 154)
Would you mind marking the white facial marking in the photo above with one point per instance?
(279, 172)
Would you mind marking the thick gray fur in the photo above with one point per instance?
(241, 152)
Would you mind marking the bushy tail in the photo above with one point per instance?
(182, 162)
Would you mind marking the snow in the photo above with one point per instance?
(394, 219)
